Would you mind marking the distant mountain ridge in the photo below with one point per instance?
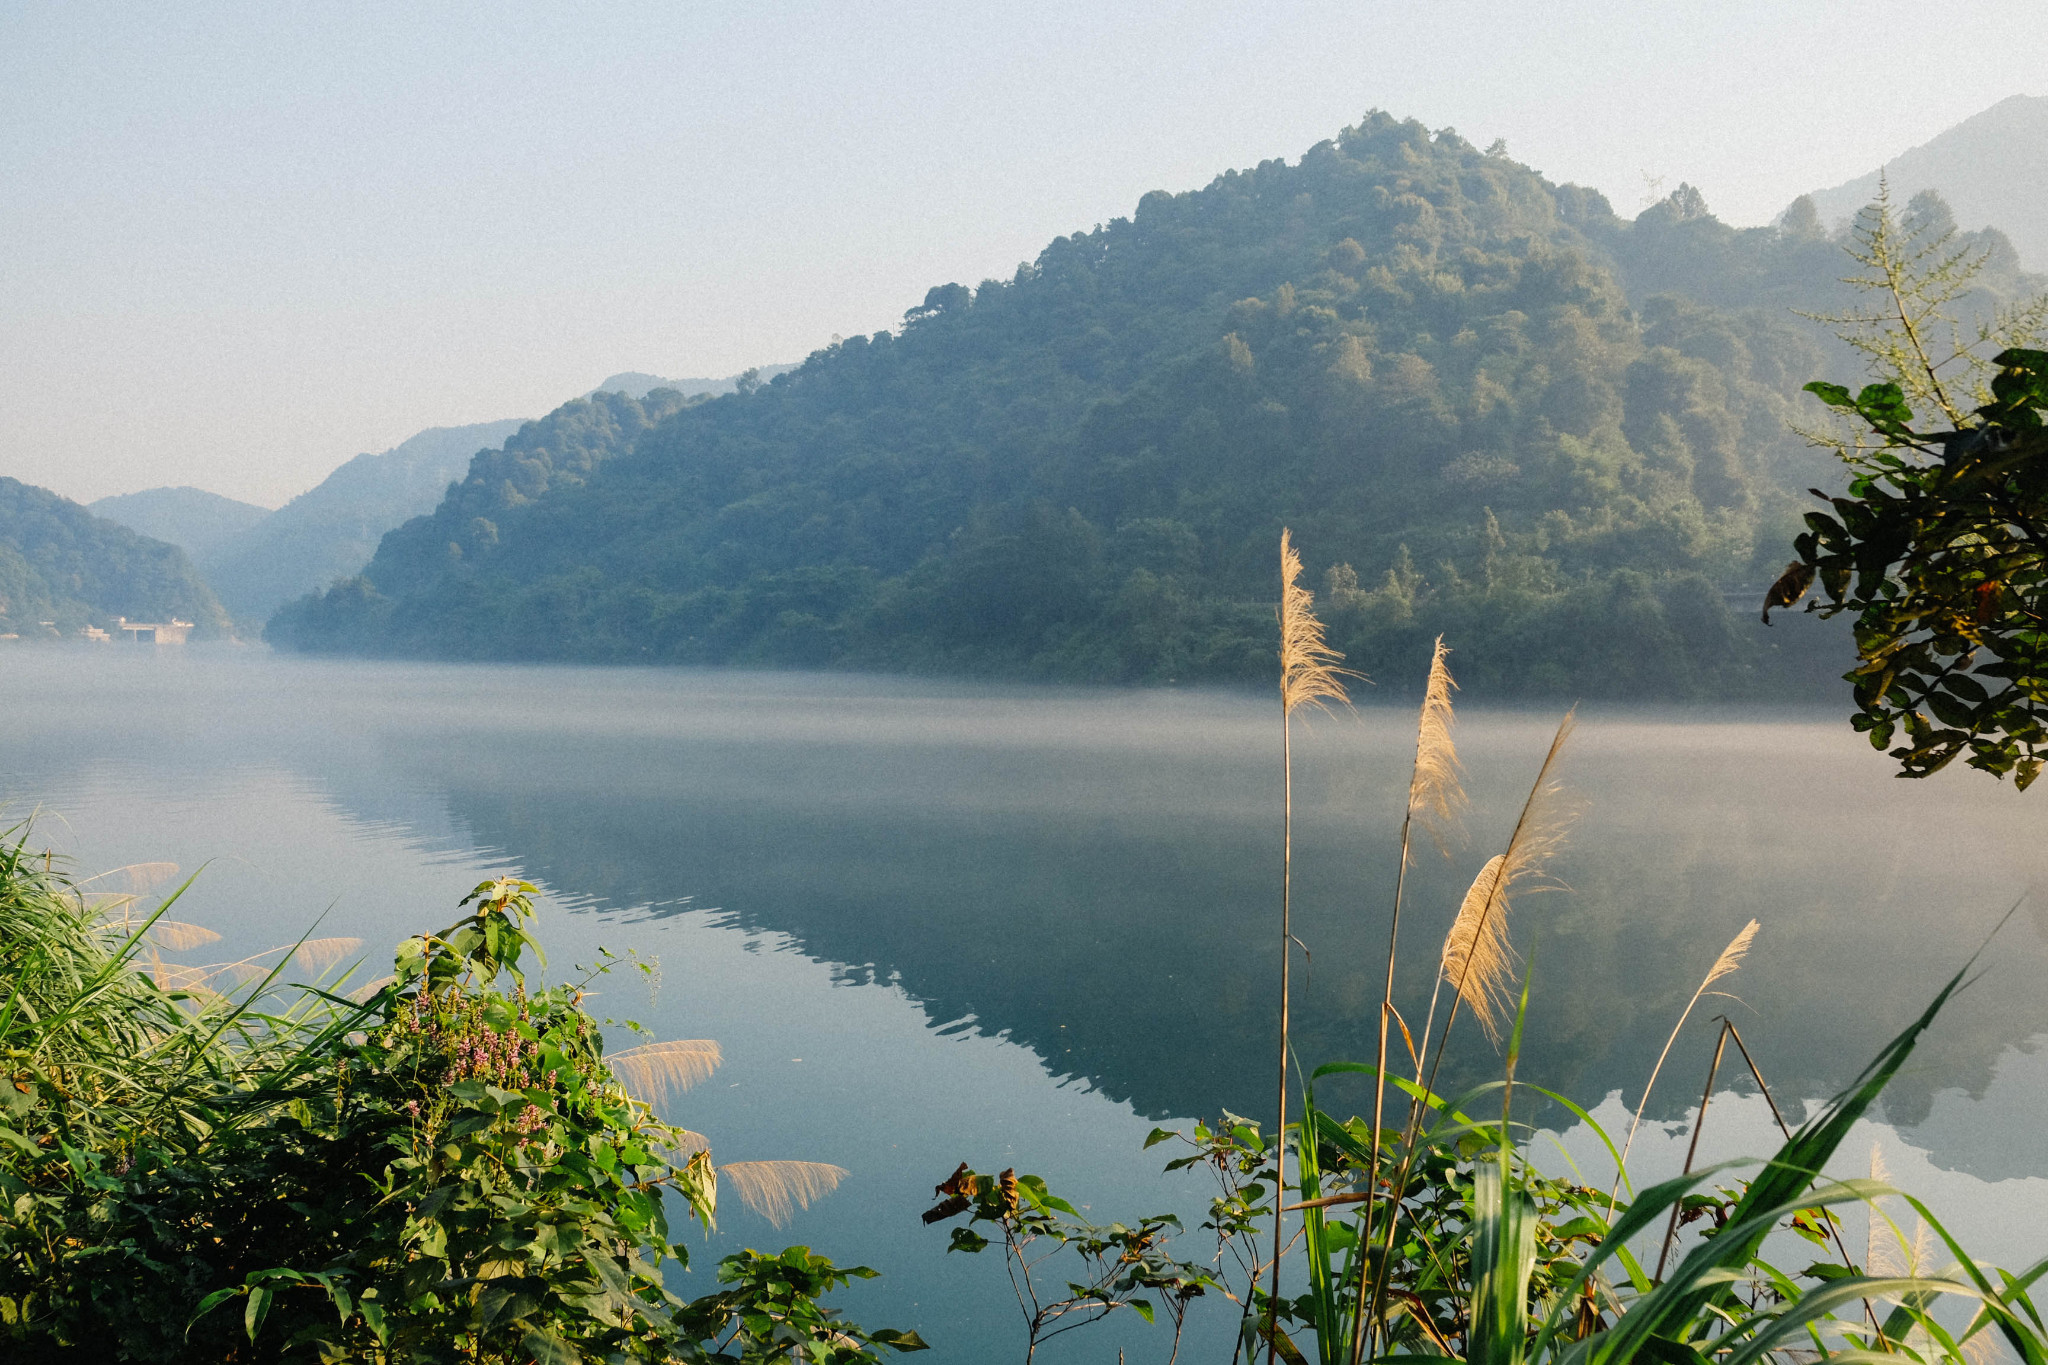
(331, 530)
(194, 520)
(1992, 168)
(62, 565)
(1487, 406)
(636, 385)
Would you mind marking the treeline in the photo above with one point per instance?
(1485, 403)
(63, 569)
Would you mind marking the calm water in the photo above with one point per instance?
(1015, 926)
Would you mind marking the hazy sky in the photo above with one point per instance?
(240, 243)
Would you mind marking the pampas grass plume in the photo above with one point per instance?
(653, 1070)
(1309, 674)
(1435, 793)
(777, 1189)
(1478, 962)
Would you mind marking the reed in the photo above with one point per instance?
(1726, 964)
(1436, 796)
(1310, 676)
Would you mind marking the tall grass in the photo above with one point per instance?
(1437, 1236)
(1310, 676)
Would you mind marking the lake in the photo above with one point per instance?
(933, 922)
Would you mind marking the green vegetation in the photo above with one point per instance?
(331, 530)
(63, 569)
(441, 1170)
(194, 520)
(1940, 545)
(1501, 412)
(1439, 1238)
(450, 1165)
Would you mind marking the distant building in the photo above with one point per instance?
(94, 633)
(171, 632)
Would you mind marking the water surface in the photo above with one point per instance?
(940, 922)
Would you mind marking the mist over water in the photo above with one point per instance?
(934, 922)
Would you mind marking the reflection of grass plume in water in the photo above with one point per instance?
(777, 1189)
(315, 955)
(653, 1071)
(177, 936)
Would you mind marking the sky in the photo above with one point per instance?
(240, 243)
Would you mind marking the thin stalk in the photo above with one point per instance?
(1496, 894)
(1692, 1149)
(1834, 1232)
(1379, 1089)
(1286, 962)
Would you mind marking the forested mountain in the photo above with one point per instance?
(194, 520)
(1993, 167)
(331, 530)
(1486, 405)
(62, 565)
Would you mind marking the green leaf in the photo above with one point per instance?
(901, 1341)
(1143, 1307)
(546, 1348)
(257, 1311)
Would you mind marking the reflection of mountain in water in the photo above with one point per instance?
(1095, 877)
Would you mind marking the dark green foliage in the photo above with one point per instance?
(1940, 549)
(446, 1172)
(61, 564)
(1420, 357)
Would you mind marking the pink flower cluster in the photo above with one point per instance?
(491, 1055)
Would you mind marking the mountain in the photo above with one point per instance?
(1992, 168)
(636, 385)
(63, 569)
(331, 530)
(194, 520)
(1486, 405)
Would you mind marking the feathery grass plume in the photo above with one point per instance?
(172, 977)
(1438, 797)
(1730, 959)
(1309, 676)
(318, 954)
(687, 1144)
(314, 955)
(370, 988)
(653, 1070)
(177, 936)
(135, 879)
(777, 1189)
(1888, 1254)
(1435, 794)
(1478, 961)
(1308, 666)
(1477, 958)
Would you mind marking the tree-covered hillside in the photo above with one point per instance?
(331, 530)
(194, 520)
(61, 565)
(1485, 404)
